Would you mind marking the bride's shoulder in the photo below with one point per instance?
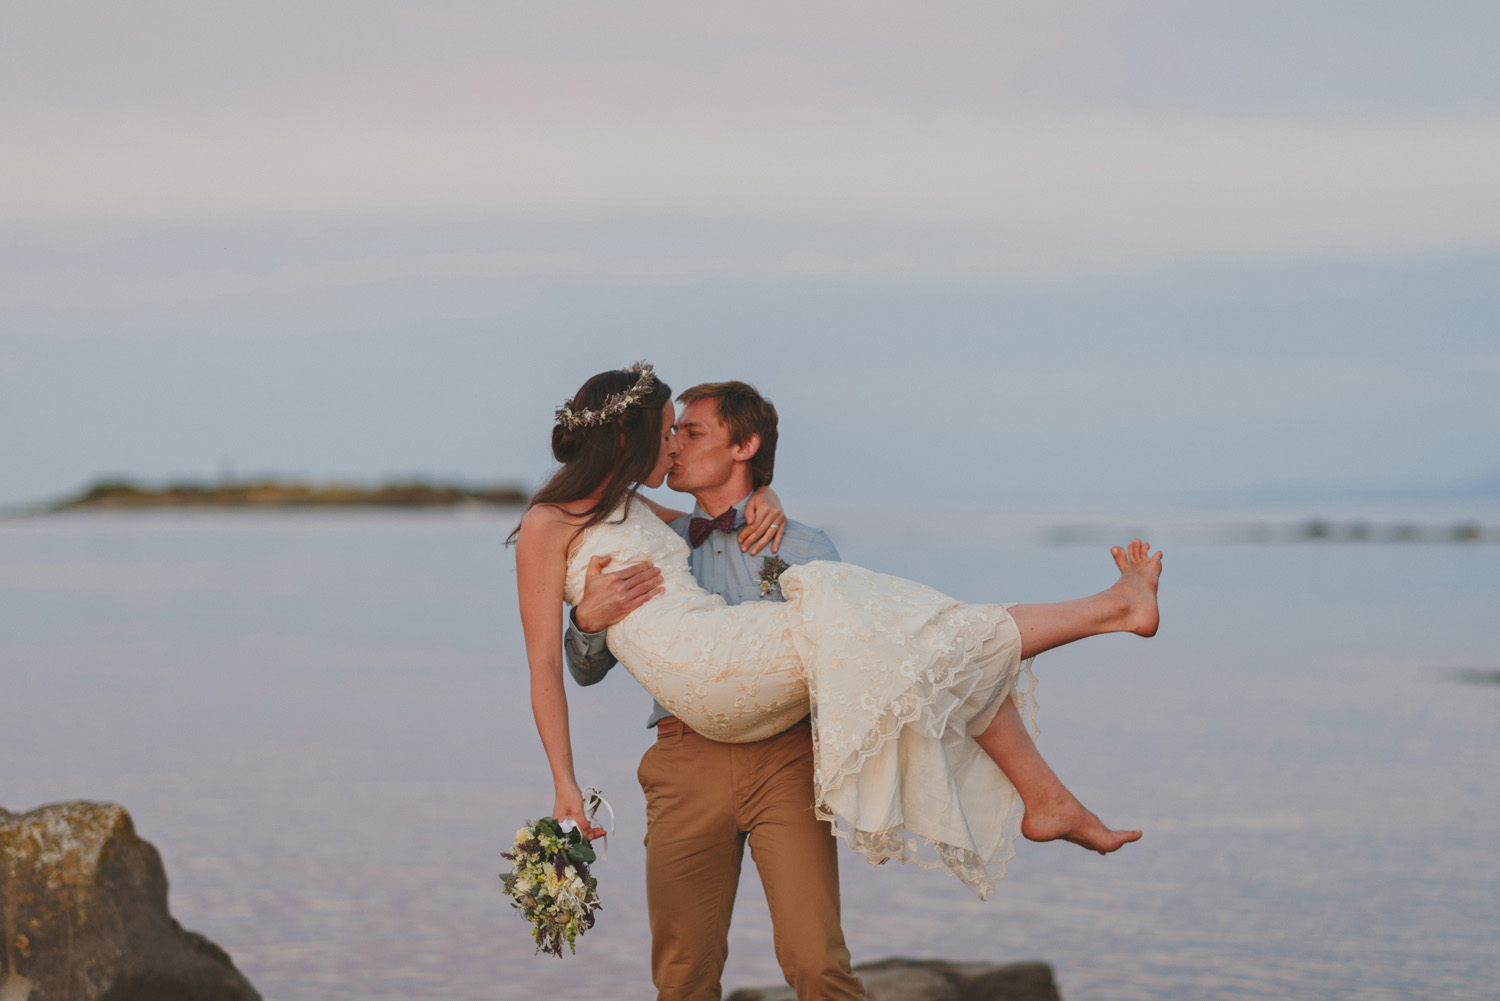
(572, 512)
(552, 521)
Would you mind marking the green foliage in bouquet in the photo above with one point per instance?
(551, 885)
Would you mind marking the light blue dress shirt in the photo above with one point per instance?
(719, 568)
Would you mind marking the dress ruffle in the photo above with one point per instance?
(898, 773)
(900, 679)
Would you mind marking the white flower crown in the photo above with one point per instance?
(614, 405)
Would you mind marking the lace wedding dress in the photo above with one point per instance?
(899, 678)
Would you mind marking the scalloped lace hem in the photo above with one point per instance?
(899, 844)
(895, 843)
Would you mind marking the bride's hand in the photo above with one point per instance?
(568, 805)
(765, 521)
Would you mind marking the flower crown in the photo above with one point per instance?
(615, 404)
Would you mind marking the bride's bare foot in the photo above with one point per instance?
(1140, 571)
(1069, 820)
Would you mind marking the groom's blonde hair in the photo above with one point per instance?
(744, 412)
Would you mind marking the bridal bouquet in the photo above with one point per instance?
(550, 884)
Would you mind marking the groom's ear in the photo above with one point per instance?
(745, 450)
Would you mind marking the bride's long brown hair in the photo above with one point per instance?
(617, 455)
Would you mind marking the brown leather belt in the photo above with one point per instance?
(672, 727)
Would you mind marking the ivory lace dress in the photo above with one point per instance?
(899, 678)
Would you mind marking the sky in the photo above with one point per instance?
(1096, 253)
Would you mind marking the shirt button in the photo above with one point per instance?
(718, 552)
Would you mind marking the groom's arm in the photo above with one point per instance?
(588, 657)
(820, 547)
(803, 544)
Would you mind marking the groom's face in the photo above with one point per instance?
(706, 458)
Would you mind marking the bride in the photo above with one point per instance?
(921, 750)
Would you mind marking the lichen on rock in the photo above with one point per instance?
(83, 914)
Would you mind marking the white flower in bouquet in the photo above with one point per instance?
(551, 885)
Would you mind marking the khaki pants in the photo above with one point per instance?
(704, 799)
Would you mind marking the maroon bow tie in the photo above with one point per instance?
(699, 528)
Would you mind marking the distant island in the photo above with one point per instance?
(116, 494)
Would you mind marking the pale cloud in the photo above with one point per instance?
(807, 262)
(666, 267)
(448, 61)
(466, 61)
(75, 288)
(1083, 195)
(282, 217)
(1099, 136)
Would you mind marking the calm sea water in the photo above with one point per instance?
(321, 721)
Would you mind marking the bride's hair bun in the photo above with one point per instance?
(567, 443)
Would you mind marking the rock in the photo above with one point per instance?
(936, 980)
(83, 911)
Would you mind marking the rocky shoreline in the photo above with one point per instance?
(83, 911)
(935, 980)
(83, 914)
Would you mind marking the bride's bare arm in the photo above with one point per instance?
(765, 521)
(541, 561)
(663, 512)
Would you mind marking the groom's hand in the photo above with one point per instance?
(609, 597)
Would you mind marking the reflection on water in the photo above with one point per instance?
(321, 720)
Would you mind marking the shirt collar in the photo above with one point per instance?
(739, 510)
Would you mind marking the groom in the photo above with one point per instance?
(705, 799)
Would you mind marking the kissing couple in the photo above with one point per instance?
(823, 700)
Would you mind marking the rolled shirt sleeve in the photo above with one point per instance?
(588, 656)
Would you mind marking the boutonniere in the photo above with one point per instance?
(770, 573)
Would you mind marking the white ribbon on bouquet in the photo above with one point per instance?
(592, 801)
